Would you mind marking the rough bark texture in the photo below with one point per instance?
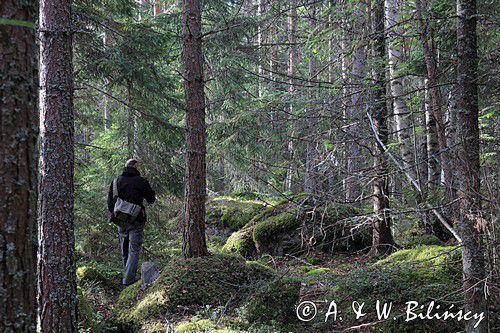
(435, 98)
(292, 61)
(467, 163)
(393, 10)
(194, 243)
(355, 108)
(433, 169)
(56, 266)
(310, 172)
(382, 237)
(18, 130)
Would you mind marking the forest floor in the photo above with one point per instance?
(227, 293)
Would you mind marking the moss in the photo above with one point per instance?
(241, 242)
(421, 274)
(237, 214)
(275, 303)
(85, 311)
(194, 326)
(317, 271)
(87, 274)
(424, 239)
(213, 280)
(269, 230)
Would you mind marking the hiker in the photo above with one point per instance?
(125, 204)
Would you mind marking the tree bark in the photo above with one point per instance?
(383, 241)
(470, 223)
(18, 131)
(292, 63)
(57, 299)
(355, 108)
(393, 10)
(194, 243)
(433, 169)
(310, 172)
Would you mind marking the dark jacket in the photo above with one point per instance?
(132, 188)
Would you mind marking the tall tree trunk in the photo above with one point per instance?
(18, 130)
(310, 172)
(56, 265)
(467, 163)
(383, 241)
(436, 114)
(108, 41)
(194, 243)
(433, 169)
(355, 108)
(292, 63)
(393, 10)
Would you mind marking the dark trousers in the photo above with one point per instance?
(130, 244)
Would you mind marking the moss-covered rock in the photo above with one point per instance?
(275, 303)
(241, 242)
(421, 239)
(90, 274)
(213, 280)
(421, 274)
(195, 326)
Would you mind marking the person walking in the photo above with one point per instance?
(130, 190)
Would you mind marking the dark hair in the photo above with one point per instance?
(131, 163)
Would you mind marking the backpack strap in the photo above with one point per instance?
(115, 188)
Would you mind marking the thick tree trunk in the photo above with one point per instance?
(194, 243)
(292, 62)
(18, 130)
(470, 224)
(383, 241)
(355, 108)
(393, 10)
(56, 266)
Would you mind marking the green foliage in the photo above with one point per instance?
(270, 229)
(421, 239)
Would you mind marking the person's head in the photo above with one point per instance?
(132, 163)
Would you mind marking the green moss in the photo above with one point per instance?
(269, 230)
(421, 274)
(418, 240)
(241, 242)
(194, 326)
(212, 280)
(237, 214)
(317, 271)
(275, 303)
(87, 274)
(85, 311)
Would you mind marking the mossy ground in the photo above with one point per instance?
(225, 293)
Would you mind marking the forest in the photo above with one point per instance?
(236, 166)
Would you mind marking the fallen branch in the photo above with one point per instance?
(412, 181)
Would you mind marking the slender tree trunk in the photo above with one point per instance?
(56, 263)
(310, 172)
(108, 41)
(18, 130)
(470, 224)
(260, 40)
(194, 243)
(433, 169)
(292, 62)
(355, 108)
(393, 10)
(383, 241)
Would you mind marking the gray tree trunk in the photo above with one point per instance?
(470, 223)
(393, 10)
(18, 128)
(57, 299)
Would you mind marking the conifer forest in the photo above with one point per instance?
(249, 166)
